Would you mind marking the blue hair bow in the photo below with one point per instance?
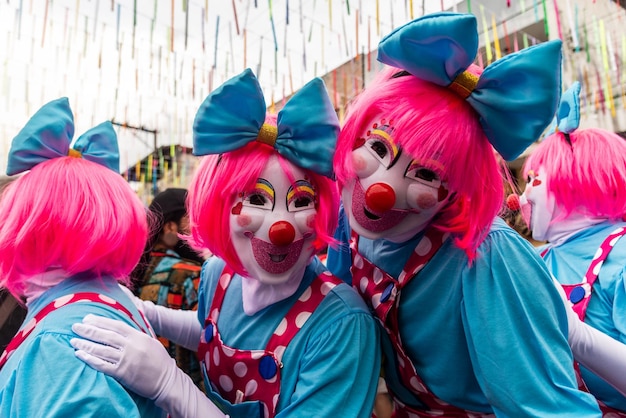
(48, 135)
(233, 115)
(567, 117)
(515, 96)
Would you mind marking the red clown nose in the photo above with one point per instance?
(380, 197)
(282, 233)
(512, 202)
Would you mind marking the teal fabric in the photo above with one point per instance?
(232, 115)
(331, 367)
(48, 135)
(516, 96)
(569, 262)
(488, 337)
(567, 116)
(44, 379)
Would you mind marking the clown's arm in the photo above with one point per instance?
(180, 326)
(595, 350)
(141, 364)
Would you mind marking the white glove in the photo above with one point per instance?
(181, 327)
(121, 351)
(600, 353)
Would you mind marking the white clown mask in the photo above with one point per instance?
(272, 226)
(394, 196)
(537, 206)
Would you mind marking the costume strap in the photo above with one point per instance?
(233, 115)
(28, 328)
(515, 97)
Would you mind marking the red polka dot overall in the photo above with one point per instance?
(254, 375)
(382, 293)
(21, 336)
(580, 294)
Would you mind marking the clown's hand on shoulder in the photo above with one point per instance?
(595, 350)
(181, 327)
(120, 351)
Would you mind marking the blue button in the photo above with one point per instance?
(208, 333)
(267, 367)
(387, 292)
(577, 294)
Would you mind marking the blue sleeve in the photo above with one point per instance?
(59, 385)
(516, 329)
(339, 259)
(339, 371)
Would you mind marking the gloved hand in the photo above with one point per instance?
(120, 351)
(600, 353)
(181, 327)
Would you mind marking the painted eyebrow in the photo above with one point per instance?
(430, 164)
(265, 187)
(301, 186)
(396, 151)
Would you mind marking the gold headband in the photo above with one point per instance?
(73, 153)
(268, 134)
(464, 84)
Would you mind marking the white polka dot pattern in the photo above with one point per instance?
(381, 292)
(28, 328)
(574, 292)
(248, 375)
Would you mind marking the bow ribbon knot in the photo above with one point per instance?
(233, 115)
(515, 97)
(48, 134)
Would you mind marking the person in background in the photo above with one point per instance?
(12, 311)
(163, 276)
(472, 323)
(277, 334)
(72, 230)
(575, 199)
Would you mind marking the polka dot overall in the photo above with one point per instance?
(580, 294)
(254, 375)
(58, 303)
(382, 293)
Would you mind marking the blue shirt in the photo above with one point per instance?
(607, 307)
(43, 377)
(490, 336)
(331, 366)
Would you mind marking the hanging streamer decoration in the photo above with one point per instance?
(507, 40)
(496, 37)
(237, 19)
(486, 34)
(557, 15)
(172, 29)
(217, 32)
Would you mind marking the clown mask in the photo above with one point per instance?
(272, 226)
(537, 205)
(394, 196)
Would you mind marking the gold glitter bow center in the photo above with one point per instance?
(268, 134)
(464, 84)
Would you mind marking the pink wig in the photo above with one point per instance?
(588, 176)
(218, 182)
(432, 122)
(72, 214)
